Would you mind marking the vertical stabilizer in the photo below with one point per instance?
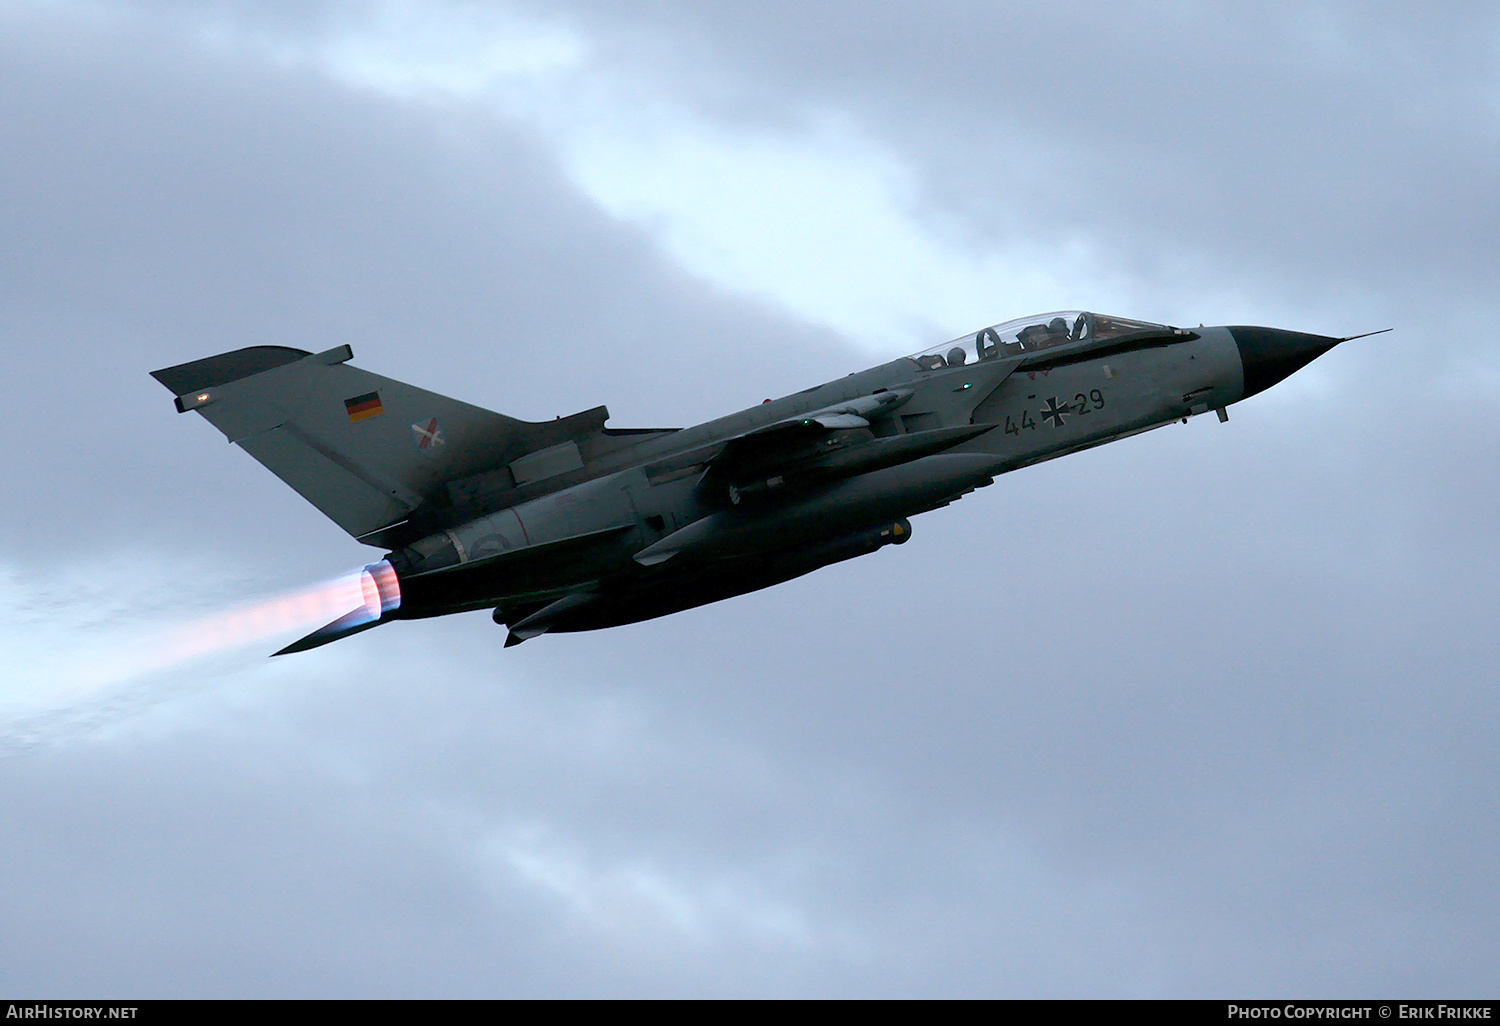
(364, 449)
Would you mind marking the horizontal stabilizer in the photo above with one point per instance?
(352, 622)
(544, 619)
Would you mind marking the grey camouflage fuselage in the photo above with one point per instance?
(567, 525)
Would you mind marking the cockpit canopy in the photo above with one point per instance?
(1030, 334)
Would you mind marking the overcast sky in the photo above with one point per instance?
(1210, 712)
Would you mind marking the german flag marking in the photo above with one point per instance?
(362, 407)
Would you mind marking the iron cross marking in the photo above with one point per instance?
(1055, 413)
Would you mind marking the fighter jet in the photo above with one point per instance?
(569, 525)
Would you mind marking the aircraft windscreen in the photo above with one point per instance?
(1029, 334)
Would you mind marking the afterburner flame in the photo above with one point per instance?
(91, 670)
(302, 610)
(83, 662)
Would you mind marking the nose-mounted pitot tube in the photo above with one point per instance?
(379, 594)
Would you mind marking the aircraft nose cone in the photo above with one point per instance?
(1271, 354)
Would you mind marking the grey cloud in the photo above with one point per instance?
(1210, 711)
(161, 204)
(1275, 143)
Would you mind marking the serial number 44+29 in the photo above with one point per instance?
(1056, 413)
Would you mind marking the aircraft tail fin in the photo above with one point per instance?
(365, 449)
